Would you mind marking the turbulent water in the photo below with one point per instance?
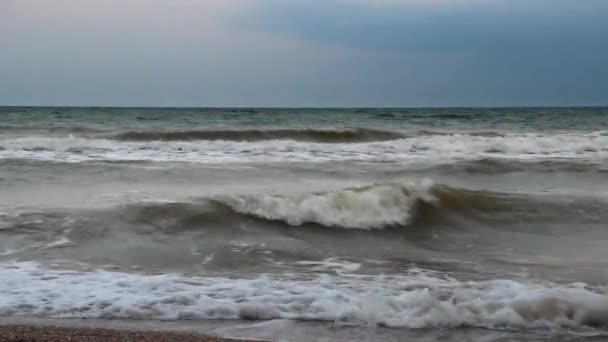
(403, 218)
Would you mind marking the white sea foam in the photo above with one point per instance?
(439, 148)
(413, 301)
(369, 207)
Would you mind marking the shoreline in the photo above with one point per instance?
(22, 329)
(23, 333)
(25, 329)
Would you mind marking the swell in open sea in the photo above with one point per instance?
(353, 224)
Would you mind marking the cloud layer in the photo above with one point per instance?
(304, 53)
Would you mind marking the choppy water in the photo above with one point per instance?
(402, 218)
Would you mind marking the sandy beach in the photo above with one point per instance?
(23, 333)
(25, 329)
(48, 330)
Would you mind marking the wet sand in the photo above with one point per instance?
(24, 329)
(26, 333)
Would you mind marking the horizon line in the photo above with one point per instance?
(306, 107)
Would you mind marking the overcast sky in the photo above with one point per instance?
(304, 52)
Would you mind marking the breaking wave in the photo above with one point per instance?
(310, 135)
(368, 207)
(349, 146)
(414, 300)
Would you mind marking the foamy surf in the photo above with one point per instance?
(409, 301)
(367, 207)
(429, 148)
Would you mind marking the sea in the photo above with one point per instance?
(439, 224)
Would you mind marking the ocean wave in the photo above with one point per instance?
(412, 203)
(414, 300)
(434, 149)
(499, 166)
(369, 207)
(489, 134)
(21, 129)
(310, 135)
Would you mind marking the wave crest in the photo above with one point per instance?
(427, 149)
(371, 207)
(368, 207)
(310, 135)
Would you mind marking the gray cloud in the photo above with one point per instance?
(303, 53)
(491, 26)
